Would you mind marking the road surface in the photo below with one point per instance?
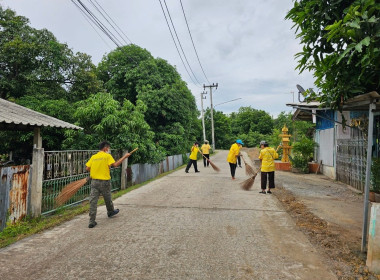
(182, 226)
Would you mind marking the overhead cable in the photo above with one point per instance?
(175, 43)
(179, 42)
(183, 10)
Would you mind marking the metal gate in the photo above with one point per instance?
(14, 192)
(351, 162)
(64, 167)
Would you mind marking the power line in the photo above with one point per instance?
(175, 43)
(180, 42)
(91, 24)
(109, 21)
(193, 43)
(84, 9)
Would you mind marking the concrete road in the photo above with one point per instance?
(182, 226)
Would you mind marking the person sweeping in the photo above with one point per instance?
(193, 158)
(233, 155)
(99, 167)
(267, 157)
(206, 153)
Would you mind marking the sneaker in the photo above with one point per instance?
(197, 171)
(93, 224)
(269, 191)
(240, 166)
(113, 213)
(263, 192)
(186, 171)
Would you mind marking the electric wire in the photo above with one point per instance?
(175, 43)
(188, 28)
(179, 42)
(114, 22)
(91, 24)
(100, 25)
(113, 27)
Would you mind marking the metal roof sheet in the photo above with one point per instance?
(17, 115)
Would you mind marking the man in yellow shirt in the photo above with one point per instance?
(206, 152)
(99, 166)
(267, 157)
(232, 156)
(193, 158)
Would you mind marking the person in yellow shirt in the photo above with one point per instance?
(267, 157)
(206, 152)
(193, 158)
(99, 166)
(232, 156)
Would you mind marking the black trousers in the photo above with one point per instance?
(239, 161)
(270, 176)
(205, 161)
(194, 162)
(232, 169)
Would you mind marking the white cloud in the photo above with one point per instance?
(245, 46)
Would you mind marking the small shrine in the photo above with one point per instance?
(285, 144)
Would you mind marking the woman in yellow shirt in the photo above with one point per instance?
(193, 158)
(267, 157)
(206, 152)
(232, 156)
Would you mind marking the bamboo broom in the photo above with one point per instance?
(70, 190)
(217, 169)
(248, 168)
(248, 183)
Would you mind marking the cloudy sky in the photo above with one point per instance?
(245, 46)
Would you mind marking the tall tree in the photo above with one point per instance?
(341, 42)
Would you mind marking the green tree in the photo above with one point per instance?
(341, 42)
(248, 119)
(222, 129)
(122, 125)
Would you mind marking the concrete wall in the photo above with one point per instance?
(144, 172)
(373, 252)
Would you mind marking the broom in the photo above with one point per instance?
(248, 183)
(69, 190)
(248, 169)
(217, 169)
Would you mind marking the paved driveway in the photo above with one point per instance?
(182, 226)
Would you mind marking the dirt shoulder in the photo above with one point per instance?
(330, 213)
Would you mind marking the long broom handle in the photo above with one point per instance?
(117, 163)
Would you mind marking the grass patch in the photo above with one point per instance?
(29, 226)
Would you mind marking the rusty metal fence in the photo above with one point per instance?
(14, 193)
(64, 167)
(351, 162)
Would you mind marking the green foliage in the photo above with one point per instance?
(222, 129)
(300, 162)
(341, 42)
(375, 175)
(122, 125)
(303, 151)
(249, 119)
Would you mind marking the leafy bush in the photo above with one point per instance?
(302, 154)
(299, 162)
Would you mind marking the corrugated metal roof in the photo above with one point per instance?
(17, 115)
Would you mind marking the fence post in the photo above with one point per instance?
(36, 182)
(124, 165)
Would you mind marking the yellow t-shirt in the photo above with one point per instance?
(194, 153)
(100, 166)
(206, 149)
(267, 156)
(234, 151)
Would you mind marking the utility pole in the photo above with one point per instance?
(212, 112)
(203, 115)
